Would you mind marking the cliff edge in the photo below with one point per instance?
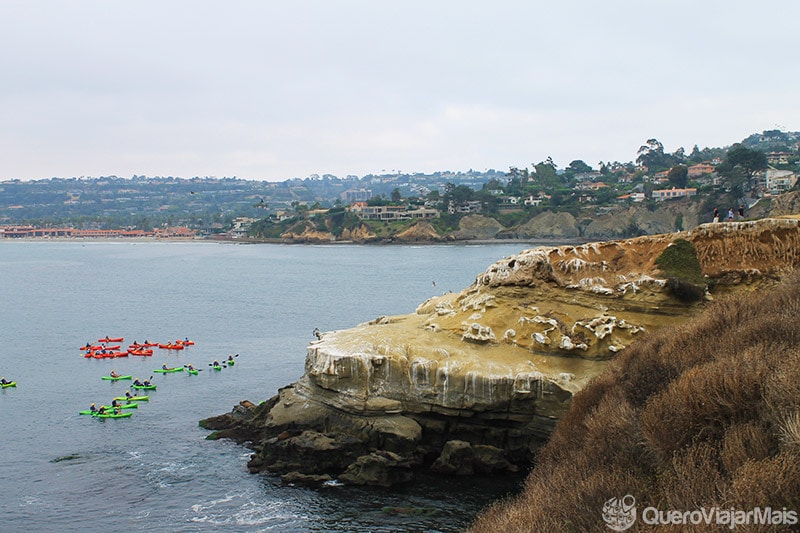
(473, 382)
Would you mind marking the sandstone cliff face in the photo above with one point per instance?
(419, 232)
(495, 365)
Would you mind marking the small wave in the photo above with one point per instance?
(272, 515)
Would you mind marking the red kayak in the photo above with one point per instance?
(109, 339)
(140, 352)
(171, 346)
(97, 348)
(185, 343)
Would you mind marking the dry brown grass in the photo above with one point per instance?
(699, 415)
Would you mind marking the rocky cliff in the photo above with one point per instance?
(474, 381)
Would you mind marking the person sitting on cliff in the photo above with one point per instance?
(317, 333)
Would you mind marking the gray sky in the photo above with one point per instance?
(272, 90)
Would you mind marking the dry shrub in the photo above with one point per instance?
(703, 402)
(748, 441)
(774, 481)
(782, 390)
(570, 499)
(613, 436)
(573, 432)
(790, 432)
(692, 479)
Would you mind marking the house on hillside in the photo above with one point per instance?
(356, 195)
(670, 194)
(775, 181)
(391, 212)
(700, 169)
(778, 158)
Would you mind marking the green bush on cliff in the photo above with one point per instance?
(701, 415)
(679, 264)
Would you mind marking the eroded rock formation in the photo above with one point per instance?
(479, 378)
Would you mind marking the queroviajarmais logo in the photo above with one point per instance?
(620, 513)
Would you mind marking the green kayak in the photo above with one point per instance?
(133, 398)
(168, 370)
(114, 415)
(216, 367)
(231, 363)
(144, 387)
(132, 405)
(6, 385)
(117, 378)
(193, 372)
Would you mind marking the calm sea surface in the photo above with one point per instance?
(155, 471)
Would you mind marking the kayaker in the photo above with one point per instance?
(102, 410)
(230, 357)
(190, 367)
(93, 408)
(215, 363)
(164, 367)
(113, 374)
(4, 381)
(128, 394)
(114, 403)
(137, 383)
(146, 383)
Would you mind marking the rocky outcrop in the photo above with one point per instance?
(546, 225)
(785, 204)
(359, 234)
(307, 232)
(477, 227)
(419, 232)
(479, 378)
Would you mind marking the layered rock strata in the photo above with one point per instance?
(474, 382)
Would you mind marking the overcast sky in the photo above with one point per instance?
(272, 90)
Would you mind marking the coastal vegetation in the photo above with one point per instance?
(680, 265)
(704, 414)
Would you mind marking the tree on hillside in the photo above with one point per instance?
(651, 155)
(740, 164)
(578, 167)
(397, 196)
(678, 176)
(545, 173)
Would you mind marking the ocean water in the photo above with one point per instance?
(155, 471)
